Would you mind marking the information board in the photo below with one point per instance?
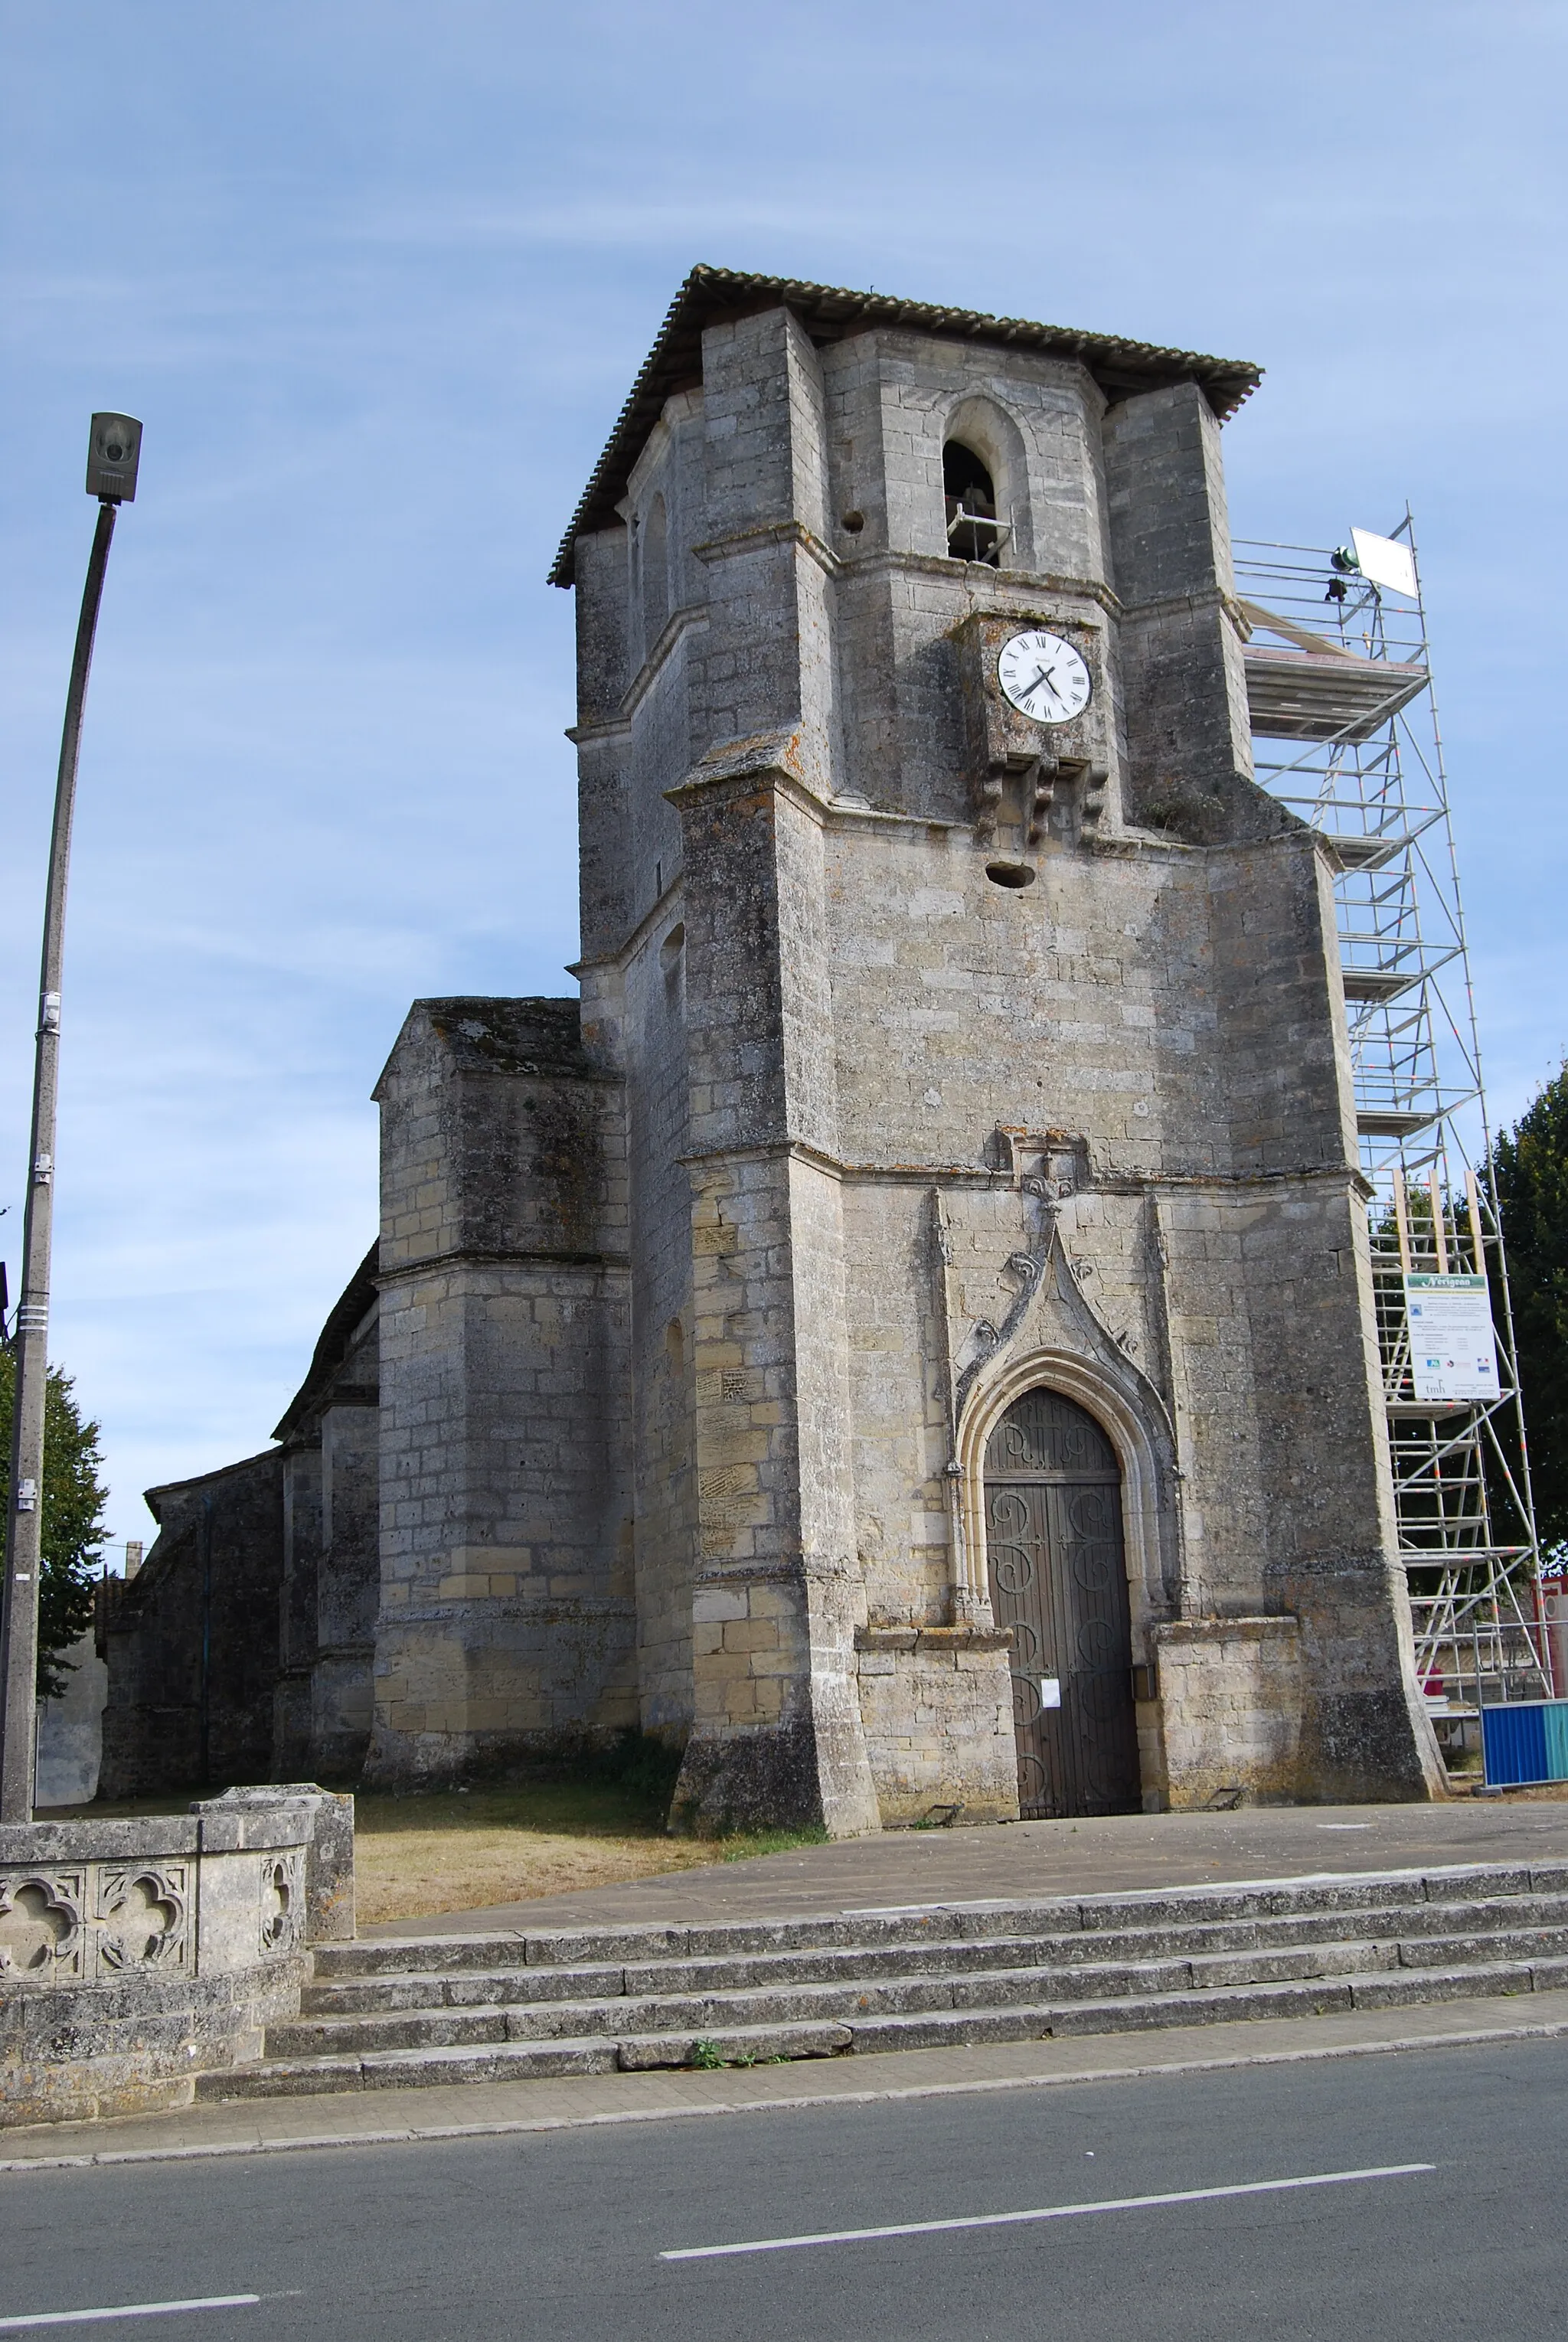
(1453, 1348)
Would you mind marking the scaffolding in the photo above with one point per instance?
(1346, 733)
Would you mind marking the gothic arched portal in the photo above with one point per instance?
(1059, 1579)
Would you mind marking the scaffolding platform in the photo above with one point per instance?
(1325, 696)
(1346, 733)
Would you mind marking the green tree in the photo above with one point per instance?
(1529, 1177)
(74, 1502)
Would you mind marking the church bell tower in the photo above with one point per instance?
(999, 1410)
(1006, 1410)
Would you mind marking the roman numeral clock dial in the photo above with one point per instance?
(1044, 677)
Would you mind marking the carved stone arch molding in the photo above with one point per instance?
(1076, 1356)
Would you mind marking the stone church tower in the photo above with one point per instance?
(908, 1339)
(913, 1339)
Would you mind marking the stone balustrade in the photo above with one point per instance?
(137, 1953)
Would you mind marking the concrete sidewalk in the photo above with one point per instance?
(1128, 1854)
(403, 2117)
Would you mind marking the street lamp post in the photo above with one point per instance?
(115, 449)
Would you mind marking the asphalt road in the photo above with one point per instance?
(562, 2234)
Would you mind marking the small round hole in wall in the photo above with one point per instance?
(1010, 874)
(854, 522)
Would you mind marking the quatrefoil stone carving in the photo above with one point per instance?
(41, 1934)
(142, 1918)
(281, 1904)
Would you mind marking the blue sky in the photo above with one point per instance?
(377, 277)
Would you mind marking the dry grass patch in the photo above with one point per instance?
(417, 1856)
(460, 1850)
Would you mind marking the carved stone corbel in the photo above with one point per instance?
(1039, 788)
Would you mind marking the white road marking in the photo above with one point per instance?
(1049, 2212)
(128, 2309)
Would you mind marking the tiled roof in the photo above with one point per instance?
(675, 363)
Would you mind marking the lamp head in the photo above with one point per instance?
(114, 451)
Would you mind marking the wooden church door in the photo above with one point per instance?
(1058, 1579)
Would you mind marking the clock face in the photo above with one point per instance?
(1044, 677)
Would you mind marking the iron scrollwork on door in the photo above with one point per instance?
(1058, 1579)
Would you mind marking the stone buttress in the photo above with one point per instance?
(505, 1619)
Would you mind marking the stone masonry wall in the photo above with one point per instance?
(191, 1642)
(938, 1724)
(331, 1569)
(775, 1722)
(506, 1621)
(1232, 1696)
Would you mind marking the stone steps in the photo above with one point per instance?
(500, 1983)
(856, 2002)
(398, 2013)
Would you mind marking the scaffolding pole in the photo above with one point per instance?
(1345, 732)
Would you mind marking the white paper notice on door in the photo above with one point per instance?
(1453, 1348)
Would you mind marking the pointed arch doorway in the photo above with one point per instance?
(1059, 1579)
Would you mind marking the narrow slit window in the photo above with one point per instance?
(655, 556)
(974, 530)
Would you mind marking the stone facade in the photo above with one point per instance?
(926, 1056)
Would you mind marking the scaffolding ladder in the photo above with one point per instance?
(1346, 733)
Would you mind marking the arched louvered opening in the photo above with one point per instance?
(975, 529)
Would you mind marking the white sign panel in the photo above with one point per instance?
(1453, 1348)
(1385, 561)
